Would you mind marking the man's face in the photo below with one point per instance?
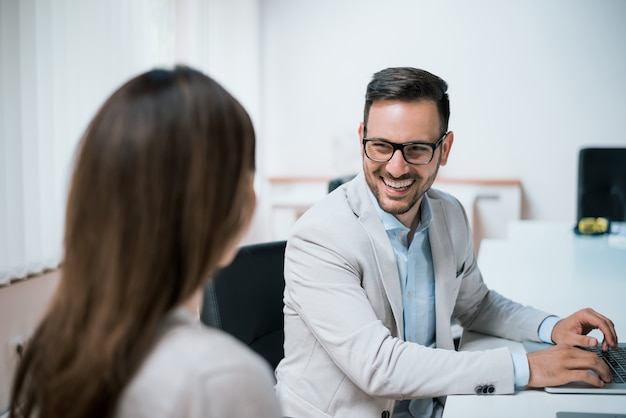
(397, 185)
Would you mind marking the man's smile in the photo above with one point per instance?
(398, 185)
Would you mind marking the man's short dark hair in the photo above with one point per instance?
(408, 84)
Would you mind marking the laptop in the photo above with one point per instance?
(615, 359)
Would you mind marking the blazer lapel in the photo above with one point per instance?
(385, 258)
(445, 274)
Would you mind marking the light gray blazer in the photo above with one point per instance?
(344, 349)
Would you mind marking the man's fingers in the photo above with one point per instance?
(580, 340)
(607, 327)
(583, 361)
(585, 366)
(585, 376)
(581, 323)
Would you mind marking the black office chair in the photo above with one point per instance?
(338, 181)
(245, 299)
(602, 183)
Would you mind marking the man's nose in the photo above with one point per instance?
(397, 165)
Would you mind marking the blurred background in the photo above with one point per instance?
(530, 82)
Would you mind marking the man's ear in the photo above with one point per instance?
(446, 147)
(361, 133)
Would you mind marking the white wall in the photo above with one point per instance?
(530, 83)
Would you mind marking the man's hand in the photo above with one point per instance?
(573, 330)
(563, 364)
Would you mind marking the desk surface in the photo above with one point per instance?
(545, 265)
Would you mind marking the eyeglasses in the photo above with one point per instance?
(416, 153)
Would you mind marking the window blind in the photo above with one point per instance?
(59, 60)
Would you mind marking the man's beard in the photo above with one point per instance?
(413, 200)
(397, 210)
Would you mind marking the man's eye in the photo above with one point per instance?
(417, 149)
(381, 146)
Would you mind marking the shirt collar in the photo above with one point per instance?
(390, 222)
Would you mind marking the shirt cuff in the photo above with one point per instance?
(546, 327)
(521, 370)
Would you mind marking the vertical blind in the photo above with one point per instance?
(59, 60)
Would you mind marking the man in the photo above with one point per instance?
(376, 271)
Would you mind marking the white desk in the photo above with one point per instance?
(545, 265)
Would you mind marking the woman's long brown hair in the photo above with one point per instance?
(161, 188)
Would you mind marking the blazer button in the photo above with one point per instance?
(385, 414)
(484, 389)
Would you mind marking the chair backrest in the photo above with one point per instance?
(602, 183)
(245, 299)
(338, 181)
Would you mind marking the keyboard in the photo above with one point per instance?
(616, 360)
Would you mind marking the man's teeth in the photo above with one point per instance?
(398, 184)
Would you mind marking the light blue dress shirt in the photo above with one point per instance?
(417, 276)
(417, 282)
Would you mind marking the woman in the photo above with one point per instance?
(162, 192)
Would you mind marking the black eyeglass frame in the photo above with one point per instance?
(401, 147)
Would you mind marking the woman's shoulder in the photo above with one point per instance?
(194, 364)
(186, 342)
